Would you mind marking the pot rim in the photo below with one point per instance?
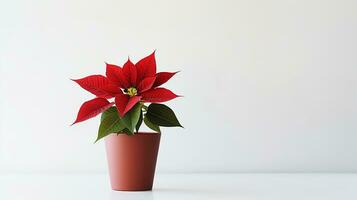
(143, 133)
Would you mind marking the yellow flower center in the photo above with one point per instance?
(132, 91)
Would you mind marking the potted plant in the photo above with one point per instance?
(127, 97)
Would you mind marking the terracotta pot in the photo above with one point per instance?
(132, 160)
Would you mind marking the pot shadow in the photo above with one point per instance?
(176, 193)
(127, 195)
(157, 194)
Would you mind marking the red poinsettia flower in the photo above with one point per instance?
(127, 85)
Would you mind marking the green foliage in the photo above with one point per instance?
(140, 121)
(131, 118)
(110, 123)
(152, 126)
(156, 115)
(162, 115)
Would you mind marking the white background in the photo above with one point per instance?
(269, 86)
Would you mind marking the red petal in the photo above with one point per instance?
(124, 103)
(112, 72)
(146, 84)
(129, 71)
(98, 85)
(112, 90)
(163, 77)
(92, 108)
(146, 67)
(115, 75)
(158, 95)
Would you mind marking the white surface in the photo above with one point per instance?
(183, 186)
(268, 85)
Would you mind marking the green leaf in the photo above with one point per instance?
(109, 111)
(110, 123)
(140, 121)
(131, 118)
(162, 115)
(151, 125)
(126, 131)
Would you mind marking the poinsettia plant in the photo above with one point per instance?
(128, 96)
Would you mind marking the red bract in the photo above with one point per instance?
(128, 85)
(92, 108)
(98, 85)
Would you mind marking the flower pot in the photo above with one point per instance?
(132, 160)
